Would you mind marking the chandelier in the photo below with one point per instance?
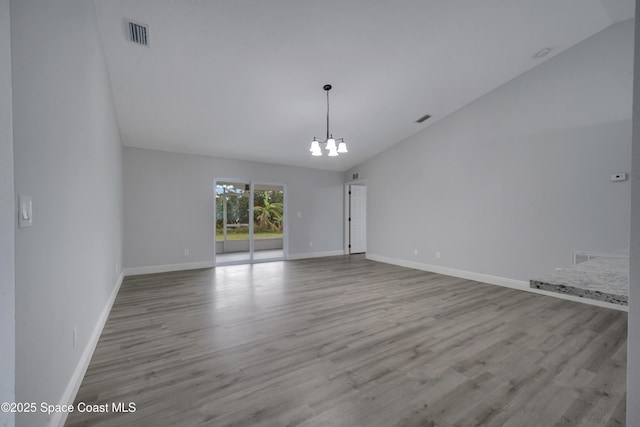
(329, 141)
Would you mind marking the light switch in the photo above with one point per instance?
(25, 213)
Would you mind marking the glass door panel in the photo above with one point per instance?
(233, 204)
(268, 221)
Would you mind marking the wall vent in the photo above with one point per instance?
(355, 176)
(423, 118)
(138, 33)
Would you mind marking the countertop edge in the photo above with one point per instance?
(580, 292)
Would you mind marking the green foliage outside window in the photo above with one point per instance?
(268, 212)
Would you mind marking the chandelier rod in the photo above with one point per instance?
(327, 88)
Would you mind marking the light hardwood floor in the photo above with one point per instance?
(345, 341)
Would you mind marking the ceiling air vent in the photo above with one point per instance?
(423, 118)
(138, 33)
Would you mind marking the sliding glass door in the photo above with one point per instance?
(233, 222)
(268, 221)
(250, 222)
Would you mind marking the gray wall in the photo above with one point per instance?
(633, 357)
(512, 183)
(7, 223)
(68, 157)
(169, 205)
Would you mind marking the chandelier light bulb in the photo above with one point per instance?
(331, 144)
(333, 152)
(342, 147)
(315, 145)
(317, 152)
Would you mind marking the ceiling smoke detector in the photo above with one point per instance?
(542, 53)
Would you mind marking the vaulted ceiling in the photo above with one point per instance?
(243, 78)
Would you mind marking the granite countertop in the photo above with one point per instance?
(603, 279)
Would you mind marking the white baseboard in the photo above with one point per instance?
(58, 418)
(492, 280)
(305, 255)
(134, 271)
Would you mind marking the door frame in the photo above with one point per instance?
(285, 234)
(347, 206)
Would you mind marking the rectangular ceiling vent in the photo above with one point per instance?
(138, 33)
(423, 118)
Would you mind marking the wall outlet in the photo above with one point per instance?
(621, 176)
(415, 252)
(75, 336)
(437, 255)
(186, 252)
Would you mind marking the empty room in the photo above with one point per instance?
(305, 213)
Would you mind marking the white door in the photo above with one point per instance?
(357, 219)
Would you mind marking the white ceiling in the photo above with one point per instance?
(243, 78)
